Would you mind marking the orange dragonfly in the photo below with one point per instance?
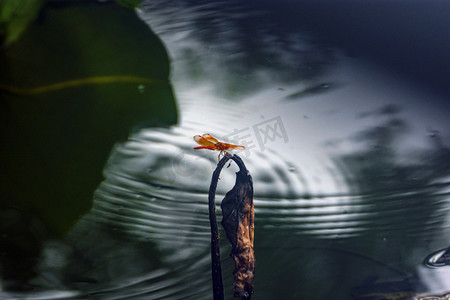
(207, 141)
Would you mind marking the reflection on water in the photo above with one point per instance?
(349, 199)
(440, 258)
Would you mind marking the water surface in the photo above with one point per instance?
(349, 159)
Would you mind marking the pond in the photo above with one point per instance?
(343, 109)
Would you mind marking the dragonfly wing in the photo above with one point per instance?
(202, 141)
(210, 138)
(234, 147)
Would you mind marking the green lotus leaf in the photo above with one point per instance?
(78, 81)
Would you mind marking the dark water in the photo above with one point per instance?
(349, 153)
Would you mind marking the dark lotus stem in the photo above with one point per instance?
(238, 222)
